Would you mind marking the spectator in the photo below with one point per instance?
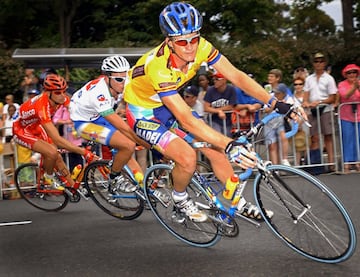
(275, 76)
(9, 99)
(32, 93)
(220, 98)
(1, 109)
(204, 83)
(300, 72)
(246, 112)
(320, 88)
(29, 82)
(349, 91)
(191, 98)
(8, 122)
(275, 131)
(1, 113)
(303, 132)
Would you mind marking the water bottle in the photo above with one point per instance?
(139, 177)
(74, 132)
(230, 186)
(76, 171)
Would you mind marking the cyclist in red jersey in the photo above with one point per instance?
(35, 130)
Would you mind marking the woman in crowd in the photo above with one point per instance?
(349, 92)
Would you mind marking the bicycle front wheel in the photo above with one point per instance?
(308, 216)
(200, 234)
(122, 205)
(28, 179)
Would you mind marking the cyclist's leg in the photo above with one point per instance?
(103, 132)
(223, 170)
(185, 162)
(38, 141)
(219, 163)
(125, 149)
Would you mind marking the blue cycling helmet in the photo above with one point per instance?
(179, 19)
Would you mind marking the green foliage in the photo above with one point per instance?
(11, 75)
(256, 35)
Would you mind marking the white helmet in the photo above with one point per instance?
(115, 64)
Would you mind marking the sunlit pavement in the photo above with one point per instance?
(81, 240)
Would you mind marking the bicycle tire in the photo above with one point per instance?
(203, 234)
(126, 206)
(28, 181)
(324, 233)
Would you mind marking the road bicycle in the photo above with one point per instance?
(29, 182)
(112, 200)
(307, 216)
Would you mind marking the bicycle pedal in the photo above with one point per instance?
(178, 217)
(162, 197)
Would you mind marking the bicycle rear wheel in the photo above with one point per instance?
(200, 234)
(308, 216)
(118, 204)
(28, 180)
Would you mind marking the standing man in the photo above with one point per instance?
(219, 101)
(319, 93)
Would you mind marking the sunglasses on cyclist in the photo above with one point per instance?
(186, 41)
(118, 79)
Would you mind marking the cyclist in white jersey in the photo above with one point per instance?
(92, 111)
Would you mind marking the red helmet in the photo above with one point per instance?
(54, 82)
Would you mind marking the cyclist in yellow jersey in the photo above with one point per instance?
(159, 115)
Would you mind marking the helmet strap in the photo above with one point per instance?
(111, 87)
(56, 103)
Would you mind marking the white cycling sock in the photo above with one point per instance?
(178, 196)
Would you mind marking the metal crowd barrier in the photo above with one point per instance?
(292, 156)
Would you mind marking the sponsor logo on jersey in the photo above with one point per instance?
(149, 136)
(138, 71)
(101, 97)
(147, 125)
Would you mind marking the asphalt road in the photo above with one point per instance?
(81, 240)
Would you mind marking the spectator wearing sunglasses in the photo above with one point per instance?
(319, 95)
(349, 91)
(92, 111)
(35, 130)
(153, 100)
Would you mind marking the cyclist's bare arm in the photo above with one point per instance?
(125, 129)
(199, 128)
(241, 80)
(61, 142)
